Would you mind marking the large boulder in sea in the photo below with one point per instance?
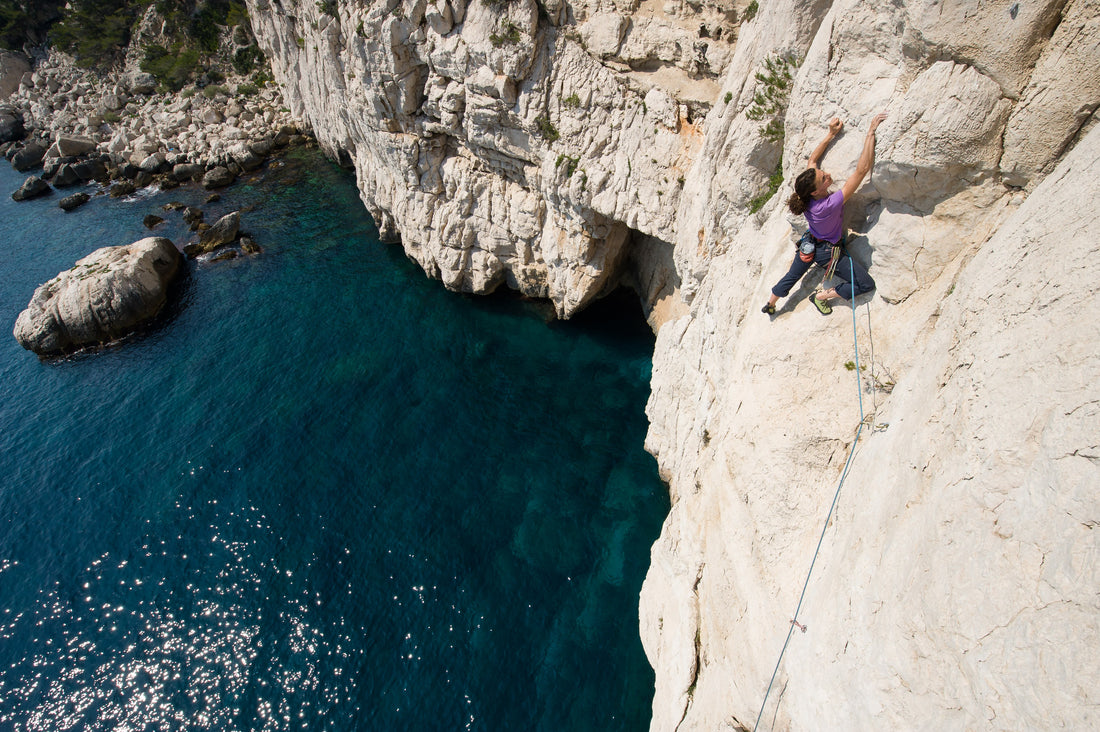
(33, 187)
(105, 296)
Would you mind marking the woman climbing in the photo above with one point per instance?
(825, 215)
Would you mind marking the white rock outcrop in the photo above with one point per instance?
(104, 296)
(562, 148)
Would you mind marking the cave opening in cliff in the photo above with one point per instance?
(648, 273)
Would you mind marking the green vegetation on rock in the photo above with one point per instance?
(546, 128)
(174, 67)
(96, 32)
(769, 105)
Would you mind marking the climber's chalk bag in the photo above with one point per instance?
(806, 247)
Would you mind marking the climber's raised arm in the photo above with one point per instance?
(866, 159)
(835, 126)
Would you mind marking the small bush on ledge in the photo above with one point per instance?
(546, 128)
(509, 35)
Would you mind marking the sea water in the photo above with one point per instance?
(321, 492)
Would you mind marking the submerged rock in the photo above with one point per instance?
(249, 245)
(192, 216)
(68, 203)
(105, 296)
(151, 221)
(124, 188)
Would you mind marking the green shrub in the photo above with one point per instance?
(546, 128)
(245, 59)
(22, 21)
(509, 34)
(111, 117)
(203, 28)
(729, 97)
(774, 181)
(569, 162)
(572, 101)
(771, 99)
(95, 32)
(247, 90)
(237, 14)
(172, 68)
(750, 11)
(214, 90)
(328, 7)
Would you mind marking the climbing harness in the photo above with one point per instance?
(828, 516)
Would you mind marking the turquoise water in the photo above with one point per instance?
(321, 493)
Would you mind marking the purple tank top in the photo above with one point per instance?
(826, 217)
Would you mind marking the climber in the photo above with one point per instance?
(825, 215)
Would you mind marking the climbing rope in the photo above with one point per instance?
(828, 517)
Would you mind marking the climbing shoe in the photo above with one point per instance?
(768, 309)
(822, 307)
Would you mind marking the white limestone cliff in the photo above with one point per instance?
(563, 148)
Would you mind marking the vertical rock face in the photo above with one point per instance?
(953, 588)
(483, 133)
(560, 147)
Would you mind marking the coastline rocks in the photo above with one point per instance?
(29, 157)
(11, 126)
(152, 163)
(65, 177)
(141, 83)
(224, 231)
(33, 187)
(187, 171)
(67, 146)
(217, 177)
(103, 297)
(192, 216)
(68, 203)
(125, 188)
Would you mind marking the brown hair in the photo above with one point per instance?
(804, 186)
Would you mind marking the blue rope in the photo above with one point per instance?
(832, 507)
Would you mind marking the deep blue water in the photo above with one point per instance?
(321, 493)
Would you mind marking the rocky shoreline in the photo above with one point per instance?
(118, 130)
(70, 127)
